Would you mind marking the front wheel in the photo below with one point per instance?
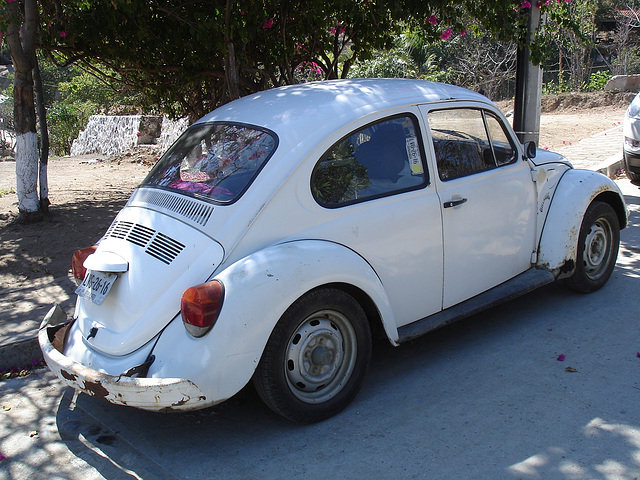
(597, 248)
(316, 358)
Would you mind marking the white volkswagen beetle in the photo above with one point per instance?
(285, 228)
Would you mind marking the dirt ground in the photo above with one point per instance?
(86, 192)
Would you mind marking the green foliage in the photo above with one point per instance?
(559, 86)
(65, 120)
(394, 63)
(190, 57)
(597, 81)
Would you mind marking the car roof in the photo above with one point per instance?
(296, 111)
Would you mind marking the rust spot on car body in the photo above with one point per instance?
(68, 376)
(96, 389)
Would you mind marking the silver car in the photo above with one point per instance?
(631, 147)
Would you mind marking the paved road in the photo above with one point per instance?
(485, 398)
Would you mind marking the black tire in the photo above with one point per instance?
(634, 177)
(597, 248)
(316, 358)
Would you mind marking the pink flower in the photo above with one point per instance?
(2, 457)
(446, 34)
(268, 24)
(525, 4)
(463, 33)
(638, 354)
(432, 20)
(11, 1)
(561, 358)
(64, 34)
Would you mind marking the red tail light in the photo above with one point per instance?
(201, 306)
(78, 259)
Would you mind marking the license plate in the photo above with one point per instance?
(96, 286)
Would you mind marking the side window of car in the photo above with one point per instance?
(378, 160)
(468, 141)
(501, 144)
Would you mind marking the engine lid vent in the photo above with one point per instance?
(192, 209)
(156, 244)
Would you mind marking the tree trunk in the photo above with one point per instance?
(26, 153)
(44, 138)
(21, 39)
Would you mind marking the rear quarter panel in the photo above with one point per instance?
(258, 290)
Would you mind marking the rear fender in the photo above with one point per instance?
(258, 290)
(557, 250)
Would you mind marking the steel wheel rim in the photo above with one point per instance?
(597, 249)
(320, 356)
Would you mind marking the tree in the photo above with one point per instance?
(626, 38)
(21, 24)
(190, 57)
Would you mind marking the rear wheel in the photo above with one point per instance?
(316, 358)
(597, 248)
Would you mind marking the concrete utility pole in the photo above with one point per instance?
(526, 111)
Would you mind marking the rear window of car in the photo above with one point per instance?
(216, 161)
(381, 159)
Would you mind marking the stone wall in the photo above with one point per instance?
(110, 135)
(623, 83)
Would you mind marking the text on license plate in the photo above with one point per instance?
(96, 286)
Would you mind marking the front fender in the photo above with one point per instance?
(258, 290)
(557, 250)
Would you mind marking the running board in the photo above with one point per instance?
(523, 283)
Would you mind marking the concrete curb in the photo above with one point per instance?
(22, 309)
(611, 166)
(21, 354)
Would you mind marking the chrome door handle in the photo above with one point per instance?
(454, 203)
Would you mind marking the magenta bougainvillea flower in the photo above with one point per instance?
(446, 34)
(268, 24)
(64, 34)
(433, 20)
(561, 358)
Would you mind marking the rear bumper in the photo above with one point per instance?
(155, 394)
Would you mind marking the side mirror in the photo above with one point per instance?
(530, 149)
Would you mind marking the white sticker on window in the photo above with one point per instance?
(413, 152)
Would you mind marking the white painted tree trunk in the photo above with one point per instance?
(27, 172)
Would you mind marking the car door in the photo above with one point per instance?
(376, 196)
(487, 198)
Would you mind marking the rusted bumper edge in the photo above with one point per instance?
(155, 394)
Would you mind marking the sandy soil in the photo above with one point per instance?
(87, 192)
